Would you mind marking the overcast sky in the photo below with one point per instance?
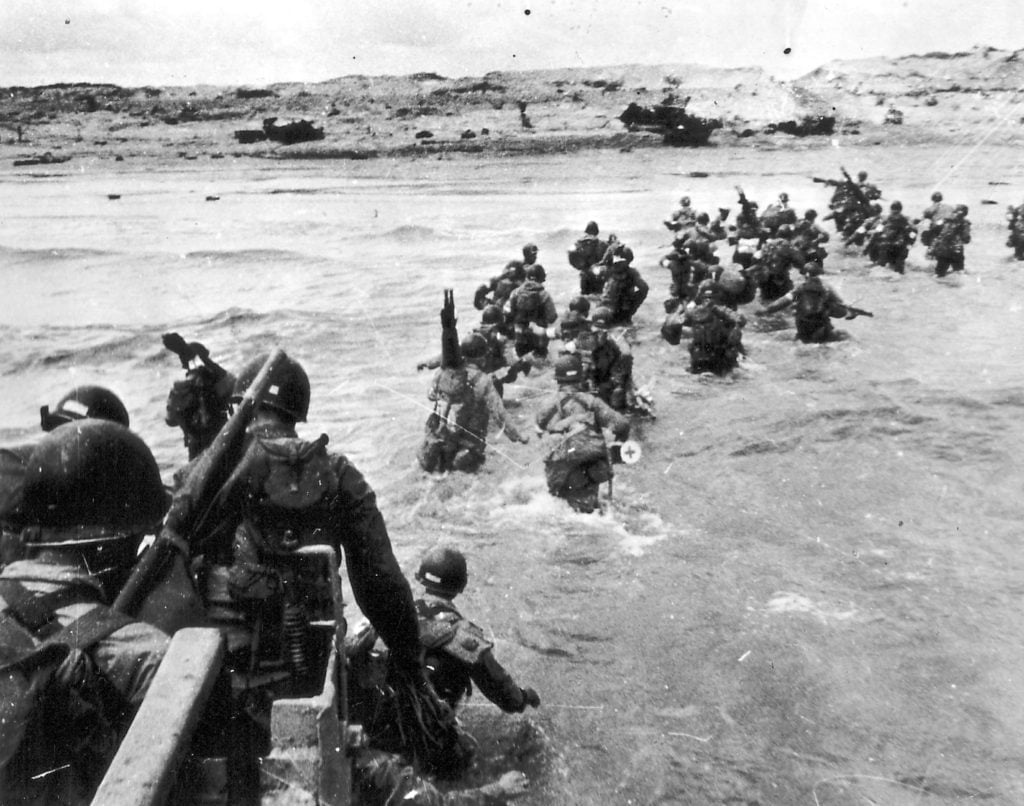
(257, 42)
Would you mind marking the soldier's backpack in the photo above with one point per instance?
(709, 332)
(72, 720)
(811, 303)
(453, 392)
(529, 305)
(581, 443)
(294, 477)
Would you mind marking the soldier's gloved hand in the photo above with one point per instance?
(421, 366)
(531, 697)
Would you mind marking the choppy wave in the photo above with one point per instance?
(247, 256)
(11, 255)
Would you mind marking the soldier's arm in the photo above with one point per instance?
(544, 415)
(129, 657)
(782, 302)
(608, 418)
(379, 587)
(497, 409)
(641, 285)
(550, 312)
(496, 684)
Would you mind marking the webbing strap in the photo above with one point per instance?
(36, 612)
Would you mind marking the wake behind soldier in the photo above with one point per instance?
(458, 653)
(92, 491)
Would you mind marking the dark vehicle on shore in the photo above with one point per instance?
(672, 121)
(297, 131)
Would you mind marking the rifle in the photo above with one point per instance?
(451, 356)
(193, 502)
(852, 312)
(834, 183)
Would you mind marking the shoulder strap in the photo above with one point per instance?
(36, 612)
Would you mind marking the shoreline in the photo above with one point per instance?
(933, 99)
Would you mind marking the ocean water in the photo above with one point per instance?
(808, 591)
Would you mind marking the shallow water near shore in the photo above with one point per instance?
(809, 589)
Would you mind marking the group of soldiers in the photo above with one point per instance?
(519, 318)
(88, 601)
(886, 238)
(593, 373)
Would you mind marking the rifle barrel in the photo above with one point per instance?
(197, 493)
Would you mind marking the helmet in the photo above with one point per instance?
(896, 205)
(492, 315)
(95, 402)
(961, 208)
(591, 228)
(623, 254)
(602, 317)
(473, 346)
(92, 473)
(568, 369)
(708, 289)
(443, 570)
(811, 214)
(813, 269)
(580, 304)
(862, 175)
(936, 196)
(536, 272)
(530, 250)
(784, 197)
(703, 218)
(876, 208)
(288, 392)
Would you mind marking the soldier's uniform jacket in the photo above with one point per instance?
(341, 512)
(715, 331)
(816, 301)
(896, 229)
(531, 303)
(86, 702)
(950, 240)
(458, 655)
(479, 403)
(778, 256)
